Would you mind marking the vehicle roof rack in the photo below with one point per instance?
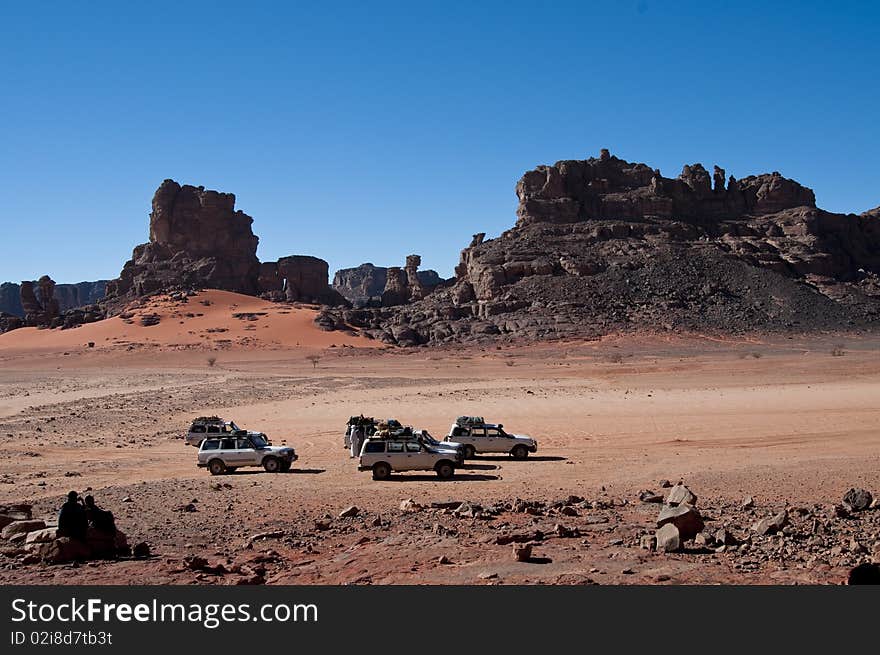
(469, 421)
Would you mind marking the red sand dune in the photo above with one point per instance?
(212, 323)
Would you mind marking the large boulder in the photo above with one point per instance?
(18, 530)
(684, 517)
(14, 512)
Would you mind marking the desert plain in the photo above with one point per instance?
(753, 425)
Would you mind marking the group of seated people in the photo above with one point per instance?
(78, 514)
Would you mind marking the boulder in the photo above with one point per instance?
(17, 530)
(41, 536)
(684, 517)
(522, 552)
(680, 495)
(857, 500)
(60, 550)
(771, 524)
(668, 538)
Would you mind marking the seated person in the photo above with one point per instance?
(101, 519)
(72, 520)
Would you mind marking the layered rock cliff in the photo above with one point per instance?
(604, 244)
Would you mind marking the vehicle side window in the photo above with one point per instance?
(374, 447)
(459, 432)
(228, 444)
(210, 445)
(478, 432)
(492, 432)
(413, 448)
(197, 429)
(213, 429)
(244, 443)
(395, 447)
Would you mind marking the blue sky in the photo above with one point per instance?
(366, 131)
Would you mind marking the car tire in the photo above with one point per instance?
(445, 470)
(519, 452)
(272, 465)
(285, 466)
(216, 467)
(469, 452)
(381, 471)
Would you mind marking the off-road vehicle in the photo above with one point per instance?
(478, 437)
(226, 453)
(214, 426)
(383, 456)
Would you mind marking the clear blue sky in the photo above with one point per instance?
(366, 131)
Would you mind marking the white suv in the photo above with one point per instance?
(206, 427)
(382, 456)
(478, 437)
(225, 454)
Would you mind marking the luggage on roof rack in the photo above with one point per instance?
(208, 419)
(468, 421)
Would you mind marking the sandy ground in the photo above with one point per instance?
(792, 422)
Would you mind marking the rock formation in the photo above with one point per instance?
(69, 296)
(365, 284)
(298, 278)
(604, 244)
(197, 239)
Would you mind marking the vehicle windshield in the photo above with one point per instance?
(259, 440)
(233, 426)
(428, 439)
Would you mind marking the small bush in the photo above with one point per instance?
(212, 361)
(838, 350)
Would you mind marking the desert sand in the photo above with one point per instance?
(789, 421)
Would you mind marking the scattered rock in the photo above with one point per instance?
(771, 524)
(522, 552)
(648, 542)
(349, 512)
(141, 550)
(648, 496)
(857, 500)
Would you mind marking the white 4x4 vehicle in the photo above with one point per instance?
(478, 437)
(382, 456)
(206, 427)
(225, 454)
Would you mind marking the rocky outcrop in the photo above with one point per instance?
(611, 188)
(362, 284)
(365, 284)
(10, 299)
(299, 278)
(69, 296)
(197, 239)
(606, 245)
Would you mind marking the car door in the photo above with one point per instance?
(396, 456)
(478, 440)
(495, 441)
(245, 452)
(417, 456)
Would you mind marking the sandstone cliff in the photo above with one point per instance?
(604, 244)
